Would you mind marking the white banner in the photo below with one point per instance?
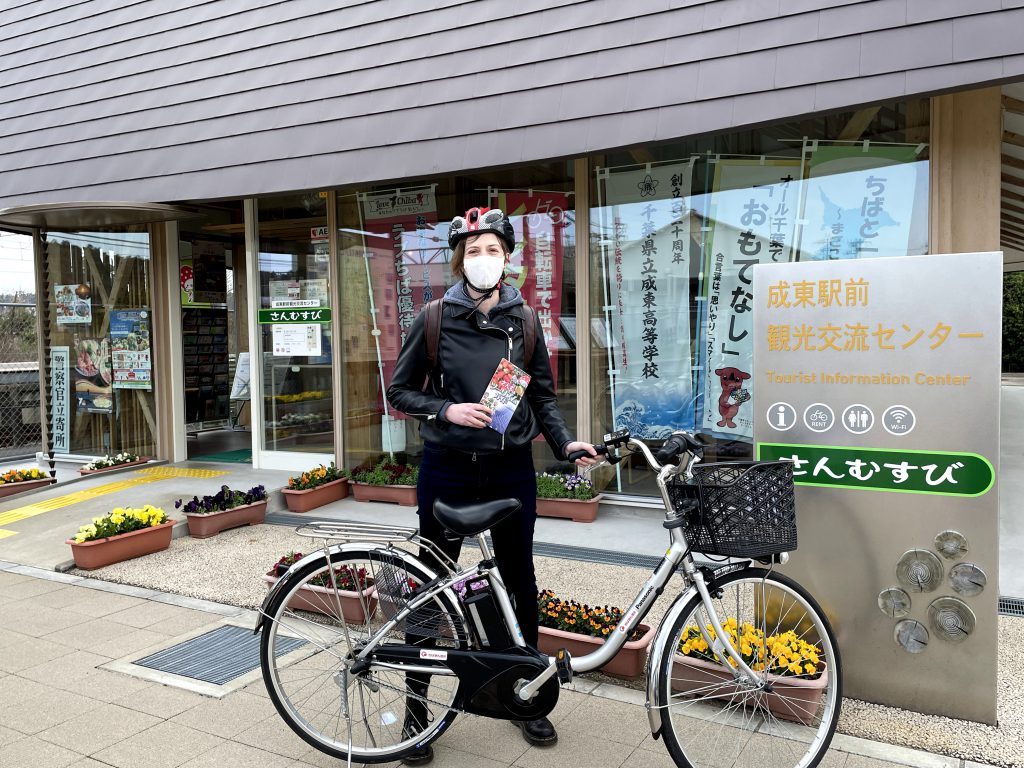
(60, 399)
(646, 218)
(753, 217)
(859, 203)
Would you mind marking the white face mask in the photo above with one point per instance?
(484, 272)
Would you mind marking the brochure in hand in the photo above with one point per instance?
(503, 393)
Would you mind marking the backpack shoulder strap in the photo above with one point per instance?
(530, 321)
(432, 329)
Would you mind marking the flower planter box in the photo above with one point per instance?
(577, 510)
(311, 498)
(321, 600)
(202, 526)
(628, 663)
(793, 698)
(9, 489)
(137, 462)
(102, 552)
(395, 494)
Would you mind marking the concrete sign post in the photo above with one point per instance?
(879, 379)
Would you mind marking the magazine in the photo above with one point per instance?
(503, 393)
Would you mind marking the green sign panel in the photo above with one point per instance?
(945, 473)
(300, 315)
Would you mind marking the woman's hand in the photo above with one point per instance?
(475, 415)
(585, 461)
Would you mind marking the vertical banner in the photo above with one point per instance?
(859, 202)
(752, 221)
(129, 349)
(404, 264)
(60, 399)
(647, 219)
(879, 379)
(539, 220)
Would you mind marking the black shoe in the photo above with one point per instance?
(411, 727)
(540, 733)
(420, 756)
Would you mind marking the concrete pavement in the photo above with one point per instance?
(61, 706)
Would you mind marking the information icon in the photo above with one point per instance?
(898, 420)
(858, 419)
(819, 417)
(781, 416)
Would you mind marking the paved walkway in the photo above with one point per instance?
(60, 706)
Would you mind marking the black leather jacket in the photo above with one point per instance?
(469, 351)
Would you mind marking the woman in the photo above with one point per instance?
(482, 321)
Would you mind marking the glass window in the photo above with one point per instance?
(100, 337)
(676, 230)
(295, 313)
(394, 257)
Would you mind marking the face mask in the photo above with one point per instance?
(484, 271)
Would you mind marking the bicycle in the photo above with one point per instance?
(382, 653)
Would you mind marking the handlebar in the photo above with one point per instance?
(673, 447)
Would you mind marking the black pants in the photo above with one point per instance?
(458, 478)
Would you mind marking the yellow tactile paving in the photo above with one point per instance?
(145, 476)
(163, 472)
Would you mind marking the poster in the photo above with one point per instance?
(93, 376)
(202, 273)
(131, 356)
(859, 202)
(295, 339)
(74, 304)
(753, 220)
(406, 263)
(539, 220)
(240, 384)
(314, 290)
(647, 257)
(284, 290)
(60, 399)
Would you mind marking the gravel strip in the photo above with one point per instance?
(227, 569)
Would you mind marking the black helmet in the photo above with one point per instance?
(480, 220)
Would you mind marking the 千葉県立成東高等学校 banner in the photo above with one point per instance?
(752, 220)
(646, 254)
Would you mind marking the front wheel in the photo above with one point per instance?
(783, 720)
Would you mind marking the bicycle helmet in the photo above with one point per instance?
(480, 220)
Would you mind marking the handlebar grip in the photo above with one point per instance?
(602, 448)
(672, 448)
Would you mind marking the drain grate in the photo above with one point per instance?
(217, 657)
(593, 555)
(1011, 606)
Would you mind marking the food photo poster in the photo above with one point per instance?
(93, 376)
(74, 304)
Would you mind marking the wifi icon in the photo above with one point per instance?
(898, 420)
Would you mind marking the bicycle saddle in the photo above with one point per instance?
(471, 519)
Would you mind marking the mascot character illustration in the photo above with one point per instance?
(733, 394)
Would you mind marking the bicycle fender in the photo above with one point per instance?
(654, 660)
(290, 575)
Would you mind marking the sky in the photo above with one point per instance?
(16, 263)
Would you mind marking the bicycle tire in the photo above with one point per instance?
(304, 683)
(710, 720)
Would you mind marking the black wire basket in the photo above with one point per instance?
(744, 509)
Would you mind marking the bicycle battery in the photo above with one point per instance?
(485, 616)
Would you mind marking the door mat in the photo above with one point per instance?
(240, 456)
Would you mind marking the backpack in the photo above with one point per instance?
(432, 332)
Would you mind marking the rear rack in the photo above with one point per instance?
(373, 533)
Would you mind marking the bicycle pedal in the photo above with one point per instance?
(563, 666)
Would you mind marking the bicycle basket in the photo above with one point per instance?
(746, 508)
(395, 587)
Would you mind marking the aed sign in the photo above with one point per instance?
(879, 379)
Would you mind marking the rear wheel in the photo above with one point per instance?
(786, 719)
(312, 634)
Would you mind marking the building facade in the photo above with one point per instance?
(267, 187)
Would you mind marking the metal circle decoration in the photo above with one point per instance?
(951, 619)
(911, 635)
(919, 570)
(967, 579)
(951, 544)
(894, 602)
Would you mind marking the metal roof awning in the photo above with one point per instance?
(72, 217)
